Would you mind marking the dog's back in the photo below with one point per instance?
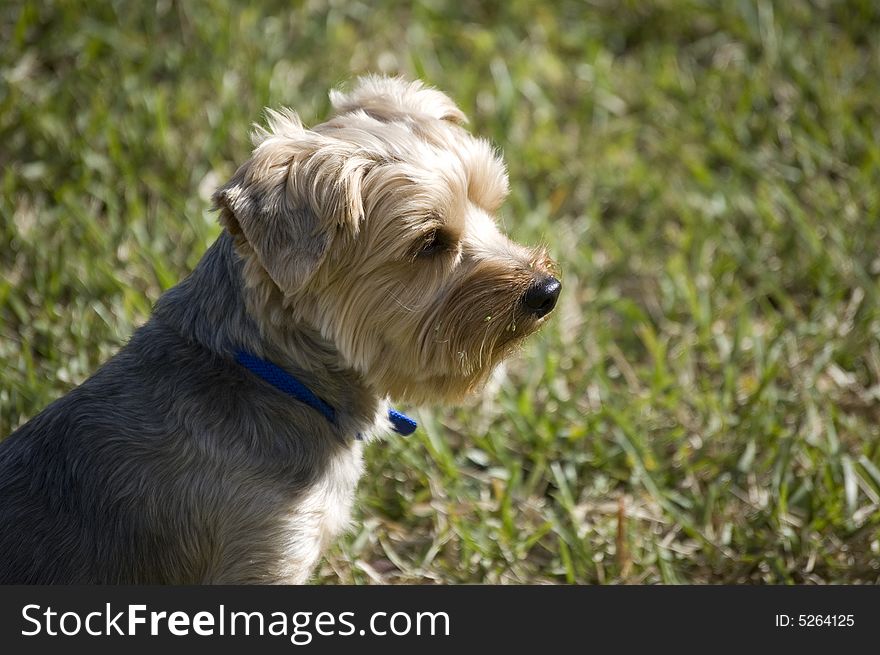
(60, 481)
(90, 479)
(156, 470)
(41, 539)
(173, 464)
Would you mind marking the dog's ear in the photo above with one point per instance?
(298, 191)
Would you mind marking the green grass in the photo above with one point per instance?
(705, 404)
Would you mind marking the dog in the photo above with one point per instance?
(359, 261)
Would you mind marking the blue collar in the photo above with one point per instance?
(284, 381)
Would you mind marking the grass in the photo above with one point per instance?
(705, 405)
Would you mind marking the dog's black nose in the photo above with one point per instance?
(540, 298)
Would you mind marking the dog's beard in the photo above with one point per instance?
(458, 350)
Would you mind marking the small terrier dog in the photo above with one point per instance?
(360, 261)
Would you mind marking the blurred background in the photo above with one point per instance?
(703, 407)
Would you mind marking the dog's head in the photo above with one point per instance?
(377, 228)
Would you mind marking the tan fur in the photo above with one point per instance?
(330, 221)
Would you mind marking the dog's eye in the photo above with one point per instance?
(432, 244)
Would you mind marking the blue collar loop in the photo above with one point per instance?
(284, 381)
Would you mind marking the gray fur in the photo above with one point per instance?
(173, 464)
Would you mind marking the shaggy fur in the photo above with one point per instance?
(362, 257)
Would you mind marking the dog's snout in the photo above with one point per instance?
(540, 298)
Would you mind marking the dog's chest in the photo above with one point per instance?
(321, 513)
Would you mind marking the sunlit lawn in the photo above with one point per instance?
(704, 406)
